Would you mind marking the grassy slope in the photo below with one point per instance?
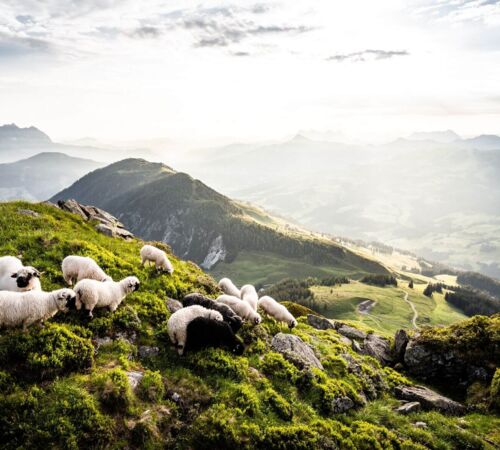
(54, 392)
(391, 312)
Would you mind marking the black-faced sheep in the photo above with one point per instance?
(178, 322)
(243, 309)
(16, 277)
(92, 293)
(277, 310)
(228, 315)
(26, 308)
(203, 332)
(152, 254)
(76, 268)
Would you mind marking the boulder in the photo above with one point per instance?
(429, 399)
(146, 351)
(351, 332)
(173, 305)
(378, 347)
(409, 408)
(134, 378)
(420, 425)
(295, 350)
(401, 339)
(341, 404)
(28, 212)
(320, 323)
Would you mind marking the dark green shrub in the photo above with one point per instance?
(246, 399)
(114, 391)
(295, 437)
(278, 404)
(276, 366)
(151, 387)
(219, 363)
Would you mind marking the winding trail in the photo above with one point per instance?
(415, 312)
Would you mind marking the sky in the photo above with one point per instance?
(211, 72)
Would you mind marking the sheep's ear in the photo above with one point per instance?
(14, 275)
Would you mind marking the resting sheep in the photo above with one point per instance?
(27, 308)
(76, 268)
(277, 310)
(92, 293)
(178, 322)
(16, 277)
(202, 332)
(228, 287)
(228, 315)
(243, 309)
(249, 295)
(158, 257)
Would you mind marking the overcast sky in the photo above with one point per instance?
(194, 71)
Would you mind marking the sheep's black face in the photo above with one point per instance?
(25, 276)
(238, 349)
(292, 324)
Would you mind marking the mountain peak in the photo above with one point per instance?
(11, 133)
(444, 137)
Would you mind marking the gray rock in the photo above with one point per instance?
(420, 425)
(28, 212)
(429, 399)
(408, 408)
(103, 341)
(401, 340)
(134, 378)
(351, 332)
(173, 305)
(295, 350)
(346, 341)
(146, 351)
(356, 347)
(320, 323)
(341, 404)
(378, 347)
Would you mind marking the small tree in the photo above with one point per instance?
(410, 284)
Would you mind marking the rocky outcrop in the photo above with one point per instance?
(295, 350)
(429, 399)
(378, 347)
(320, 323)
(350, 332)
(401, 339)
(108, 224)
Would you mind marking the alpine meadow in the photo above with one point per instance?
(250, 225)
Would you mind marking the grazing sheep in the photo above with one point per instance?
(92, 293)
(76, 268)
(202, 332)
(158, 257)
(249, 294)
(228, 287)
(178, 322)
(27, 308)
(243, 309)
(228, 315)
(16, 277)
(277, 310)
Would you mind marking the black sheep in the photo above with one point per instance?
(228, 314)
(203, 332)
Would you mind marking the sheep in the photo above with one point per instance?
(277, 310)
(202, 332)
(76, 268)
(27, 308)
(16, 277)
(228, 315)
(110, 294)
(228, 287)
(158, 257)
(243, 309)
(178, 322)
(249, 294)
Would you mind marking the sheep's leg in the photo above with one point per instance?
(180, 348)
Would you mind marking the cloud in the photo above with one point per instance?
(13, 46)
(367, 55)
(460, 11)
(146, 32)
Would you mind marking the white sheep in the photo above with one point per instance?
(179, 320)
(229, 288)
(14, 276)
(249, 294)
(92, 293)
(277, 310)
(243, 309)
(27, 308)
(156, 256)
(76, 268)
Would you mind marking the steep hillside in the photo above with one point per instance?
(115, 382)
(41, 176)
(157, 203)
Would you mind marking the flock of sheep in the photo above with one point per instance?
(198, 322)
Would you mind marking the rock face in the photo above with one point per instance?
(401, 340)
(108, 225)
(378, 347)
(429, 399)
(350, 332)
(320, 323)
(409, 408)
(341, 404)
(295, 350)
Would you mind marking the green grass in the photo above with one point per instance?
(57, 391)
(390, 312)
(267, 268)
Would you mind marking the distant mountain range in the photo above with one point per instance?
(158, 203)
(42, 175)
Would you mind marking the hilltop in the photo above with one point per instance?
(158, 203)
(115, 382)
